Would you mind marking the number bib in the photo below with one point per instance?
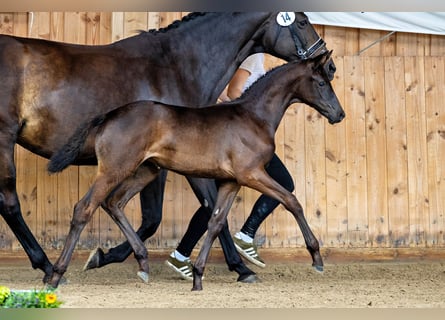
(285, 19)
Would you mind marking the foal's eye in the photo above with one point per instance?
(321, 83)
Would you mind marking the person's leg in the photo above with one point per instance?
(179, 259)
(262, 208)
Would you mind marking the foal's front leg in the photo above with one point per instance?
(226, 194)
(268, 186)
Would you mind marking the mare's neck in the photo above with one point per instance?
(199, 56)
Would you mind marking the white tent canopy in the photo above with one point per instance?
(417, 22)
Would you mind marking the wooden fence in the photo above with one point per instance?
(376, 180)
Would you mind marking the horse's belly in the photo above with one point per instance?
(197, 165)
(36, 137)
(46, 137)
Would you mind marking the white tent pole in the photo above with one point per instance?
(375, 42)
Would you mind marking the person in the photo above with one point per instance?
(179, 260)
(248, 72)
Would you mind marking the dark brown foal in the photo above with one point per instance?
(231, 142)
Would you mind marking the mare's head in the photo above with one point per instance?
(290, 36)
(315, 89)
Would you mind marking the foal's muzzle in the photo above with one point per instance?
(336, 119)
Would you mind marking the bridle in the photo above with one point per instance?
(312, 50)
(303, 53)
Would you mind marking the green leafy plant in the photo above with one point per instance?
(28, 298)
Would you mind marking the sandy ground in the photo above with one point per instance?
(284, 284)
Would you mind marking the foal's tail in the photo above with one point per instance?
(66, 155)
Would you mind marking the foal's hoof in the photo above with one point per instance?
(96, 256)
(62, 282)
(55, 281)
(48, 278)
(143, 275)
(319, 269)
(250, 278)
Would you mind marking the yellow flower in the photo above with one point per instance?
(50, 298)
(4, 290)
(4, 293)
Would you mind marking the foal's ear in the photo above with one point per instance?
(321, 60)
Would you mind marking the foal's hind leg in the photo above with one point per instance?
(206, 192)
(226, 194)
(83, 211)
(263, 183)
(11, 212)
(114, 205)
(151, 197)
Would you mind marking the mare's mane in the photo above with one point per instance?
(175, 24)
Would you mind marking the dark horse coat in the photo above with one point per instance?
(231, 142)
(49, 88)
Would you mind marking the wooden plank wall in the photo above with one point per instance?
(376, 180)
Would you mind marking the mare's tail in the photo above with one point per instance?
(66, 155)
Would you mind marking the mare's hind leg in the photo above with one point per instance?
(226, 194)
(268, 186)
(151, 197)
(11, 212)
(115, 203)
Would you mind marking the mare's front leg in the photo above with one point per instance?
(115, 203)
(226, 194)
(268, 186)
(10, 208)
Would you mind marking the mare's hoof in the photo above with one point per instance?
(94, 259)
(197, 288)
(143, 275)
(250, 278)
(319, 269)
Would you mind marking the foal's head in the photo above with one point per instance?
(315, 89)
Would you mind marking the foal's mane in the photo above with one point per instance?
(254, 86)
(175, 24)
(276, 69)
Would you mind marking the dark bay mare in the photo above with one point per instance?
(48, 89)
(231, 142)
